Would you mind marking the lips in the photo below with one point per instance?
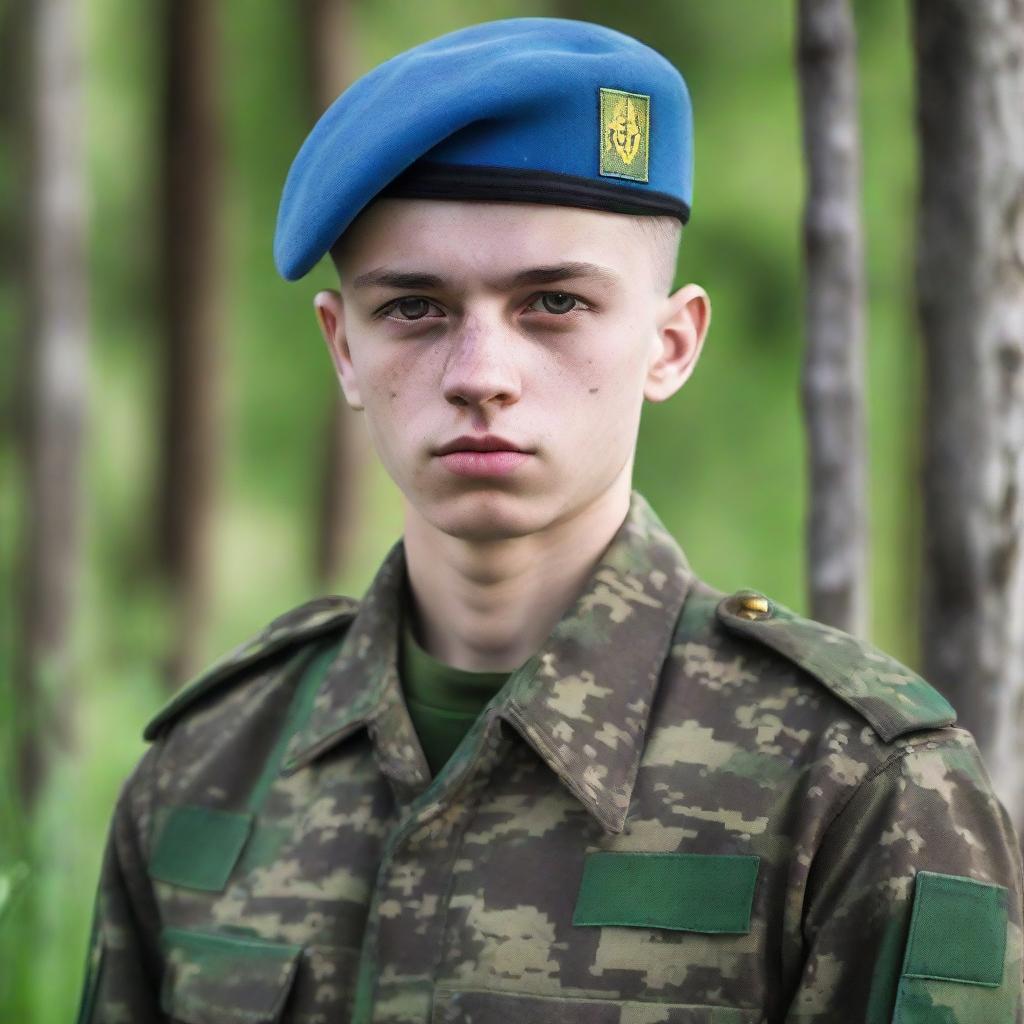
(479, 443)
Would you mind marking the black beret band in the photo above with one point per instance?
(503, 184)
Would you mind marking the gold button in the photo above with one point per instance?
(752, 606)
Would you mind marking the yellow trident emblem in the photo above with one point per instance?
(624, 131)
(625, 138)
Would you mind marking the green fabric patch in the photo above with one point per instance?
(691, 892)
(225, 979)
(199, 846)
(957, 930)
(953, 965)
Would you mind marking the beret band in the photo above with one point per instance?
(503, 184)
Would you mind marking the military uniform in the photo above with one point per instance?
(685, 808)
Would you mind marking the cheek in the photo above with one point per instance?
(378, 376)
(394, 394)
(378, 391)
(609, 376)
(385, 400)
(594, 403)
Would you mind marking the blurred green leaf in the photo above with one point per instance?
(11, 880)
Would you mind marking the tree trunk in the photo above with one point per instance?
(191, 278)
(833, 374)
(970, 292)
(55, 391)
(327, 26)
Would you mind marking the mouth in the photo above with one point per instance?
(480, 443)
(484, 455)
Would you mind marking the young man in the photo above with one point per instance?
(541, 772)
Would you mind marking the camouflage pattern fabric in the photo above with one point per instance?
(734, 811)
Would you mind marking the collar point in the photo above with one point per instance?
(611, 818)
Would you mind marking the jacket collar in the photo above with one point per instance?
(582, 702)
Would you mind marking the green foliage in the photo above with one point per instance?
(11, 879)
(723, 463)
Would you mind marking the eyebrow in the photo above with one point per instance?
(565, 272)
(383, 277)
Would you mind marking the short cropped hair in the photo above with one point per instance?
(664, 234)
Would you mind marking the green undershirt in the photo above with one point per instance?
(443, 701)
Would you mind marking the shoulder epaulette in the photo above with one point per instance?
(306, 622)
(893, 698)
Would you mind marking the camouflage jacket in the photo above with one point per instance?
(685, 808)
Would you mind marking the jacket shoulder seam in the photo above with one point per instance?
(300, 625)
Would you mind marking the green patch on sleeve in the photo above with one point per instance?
(953, 965)
(709, 893)
(957, 931)
(198, 847)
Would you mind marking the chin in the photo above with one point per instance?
(486, 515)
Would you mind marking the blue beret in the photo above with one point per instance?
(540, 110)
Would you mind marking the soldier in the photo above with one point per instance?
(541, 772)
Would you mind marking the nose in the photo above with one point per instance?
(480, 368)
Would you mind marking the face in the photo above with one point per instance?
(502, 353)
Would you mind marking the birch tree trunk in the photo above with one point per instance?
(970, 293)
(833, 370)
(191, 278)
(55, 393)
(330, 61)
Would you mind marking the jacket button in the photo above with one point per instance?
(752, 605)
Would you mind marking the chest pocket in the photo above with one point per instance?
(691, 892)
(222, 979)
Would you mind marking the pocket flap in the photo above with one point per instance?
(455, 1006)
(691, 892)
(225, 979)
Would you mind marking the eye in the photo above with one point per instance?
(407, 309)
(558, 303)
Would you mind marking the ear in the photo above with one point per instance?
(330, 314)
(681, 328)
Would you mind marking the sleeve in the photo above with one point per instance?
(912, 912)
(122, 966)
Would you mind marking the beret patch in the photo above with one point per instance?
(542, 110)
(625, 134)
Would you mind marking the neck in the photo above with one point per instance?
(487, 606)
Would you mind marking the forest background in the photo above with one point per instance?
(723, 463)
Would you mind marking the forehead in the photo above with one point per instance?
(464, 235)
